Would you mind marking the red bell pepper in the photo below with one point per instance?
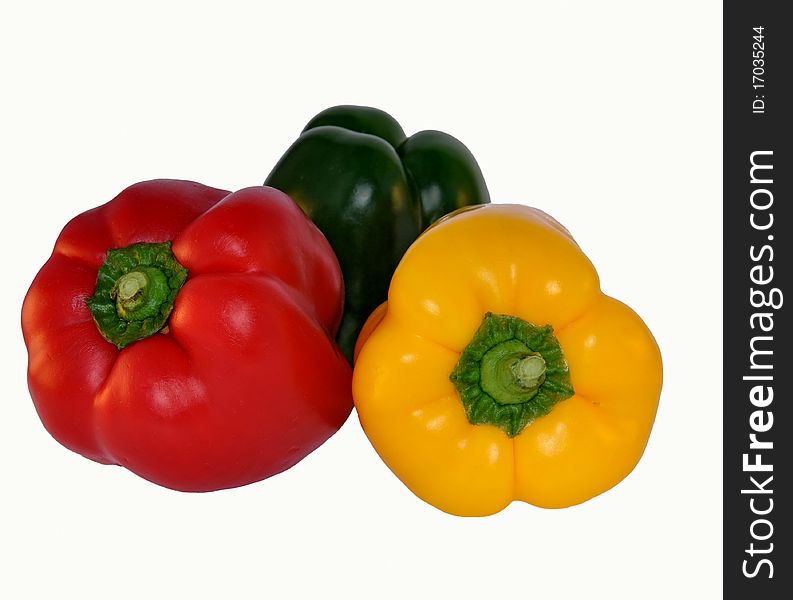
(199, 352)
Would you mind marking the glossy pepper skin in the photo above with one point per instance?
(511, 266)
(242, 381)
(372, 190)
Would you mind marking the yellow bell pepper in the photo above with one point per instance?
(499, 371)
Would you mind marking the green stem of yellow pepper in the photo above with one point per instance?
(511, 373)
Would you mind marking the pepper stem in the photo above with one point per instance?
(511, 373)
(130, 285)
(135, 292)
(529, 372)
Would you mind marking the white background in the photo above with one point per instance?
(605, 114)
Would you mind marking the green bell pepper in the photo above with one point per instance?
(371, 190)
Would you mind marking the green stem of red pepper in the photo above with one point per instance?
(135, 292)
